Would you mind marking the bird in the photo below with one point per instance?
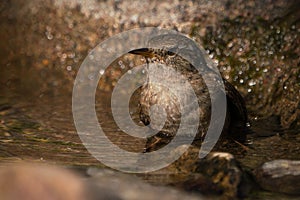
(182, 54)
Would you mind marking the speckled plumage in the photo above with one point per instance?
(154, 94)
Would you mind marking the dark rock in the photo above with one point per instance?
(218, 173)
(223, 170)
(279, 176)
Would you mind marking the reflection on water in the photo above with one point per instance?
(41, 130)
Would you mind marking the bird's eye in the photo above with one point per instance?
(172, 51)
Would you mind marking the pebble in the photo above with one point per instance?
(279, 176)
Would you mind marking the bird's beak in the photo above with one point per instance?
(143, 52)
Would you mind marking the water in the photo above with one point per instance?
(38, 124)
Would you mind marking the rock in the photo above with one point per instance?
(200, 183)
(34, 182)
(223, 170)
(129, 187)
(279, 176)
(218, 173)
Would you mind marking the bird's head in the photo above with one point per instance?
(176, 51)
(152, 53)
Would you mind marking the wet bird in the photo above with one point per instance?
(182, 54)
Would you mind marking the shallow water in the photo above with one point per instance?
(42, 130)
(41, 127)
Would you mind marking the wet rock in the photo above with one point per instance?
(200, 183)
(263, 63)
(129, 187)
(218, 173)
(223, 170)
(279, 176)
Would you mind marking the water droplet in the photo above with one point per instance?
(58, 47)
(241, 81)
(71, 55)
(103, 45)
(265, 70)
(91, 76)
(69, 68)
(249, 142)
(49, 36)
(131, 65)
(278, 31)
(285, 87)
(134, 18)
(101, 71)
(110, 50)
(230, 44)
(91, 56)
(251, 83)
(249, 90)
